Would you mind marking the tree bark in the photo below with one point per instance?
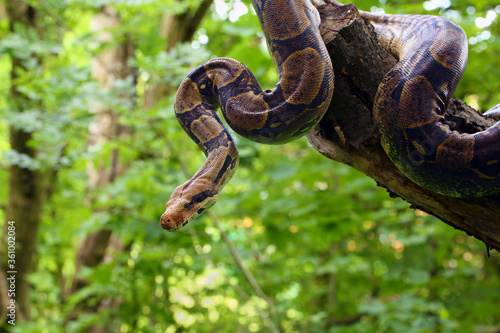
(176, 29)
(108, 67)
(181, 28)
(347, 133)
(25, 184)
(3, 12)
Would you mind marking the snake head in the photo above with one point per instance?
(187, 202)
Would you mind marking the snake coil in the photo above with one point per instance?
(408, 110)
(411, 101)
(295, 105)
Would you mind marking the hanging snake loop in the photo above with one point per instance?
(295, 105)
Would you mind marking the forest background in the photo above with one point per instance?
(90, 152)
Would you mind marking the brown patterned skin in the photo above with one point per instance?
(295, 105)
(412, 99)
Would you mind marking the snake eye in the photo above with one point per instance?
(187, 206)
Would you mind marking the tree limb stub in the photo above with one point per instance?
(347, 133)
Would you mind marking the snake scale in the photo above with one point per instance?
(408, 109)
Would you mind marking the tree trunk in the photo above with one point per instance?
(176, 29)
(108, 67)
(3, 11)
(347, 133)
(25, 184)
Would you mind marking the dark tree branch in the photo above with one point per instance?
(347, 133)
(193, 20)
(182, 27)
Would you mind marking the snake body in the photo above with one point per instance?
(295, 105)
(411, 101)
(408, 108)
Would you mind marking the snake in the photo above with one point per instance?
(272, 116)
(412, 98)
(408, 109)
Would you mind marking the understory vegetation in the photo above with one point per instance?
(295, 243)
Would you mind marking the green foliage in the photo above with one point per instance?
(331, 250)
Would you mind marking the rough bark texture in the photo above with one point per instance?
(347, 133)
(25, 184)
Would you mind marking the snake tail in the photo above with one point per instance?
(274, 116)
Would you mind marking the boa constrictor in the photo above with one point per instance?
(410, 104)
(408, 109)
(295, 105)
